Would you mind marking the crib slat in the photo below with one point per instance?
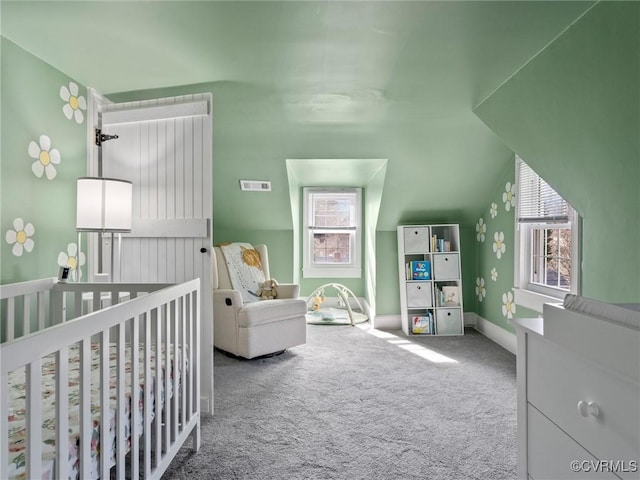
(147, 393)
(4, 425)
(77, 304)
(105, 410)
(62, 413)
(167, 375)
(192, 367)
(96, 298)
(11, 318)
(121, 439)
(197, 367)
(186, 310)
(85, 408)
(34, 418)
(26, 315)
(176, 340)
(158, 384)
(56, 307)
(40, 310)
(186, 375)
(135, 397)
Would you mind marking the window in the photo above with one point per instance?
(547, 231)
(332, 232)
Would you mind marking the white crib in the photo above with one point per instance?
(70, 358)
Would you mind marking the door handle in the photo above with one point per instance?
(203, 250)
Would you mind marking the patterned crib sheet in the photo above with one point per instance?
(17, 403)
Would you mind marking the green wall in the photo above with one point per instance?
(572, 113)
(493, 279)
(43, 198)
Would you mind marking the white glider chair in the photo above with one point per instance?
(254, 329)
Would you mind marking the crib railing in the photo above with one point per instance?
(31, 306)
(24, 307)
(158, 333)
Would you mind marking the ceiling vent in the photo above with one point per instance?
(255, 185)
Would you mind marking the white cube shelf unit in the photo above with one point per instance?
(430, 279)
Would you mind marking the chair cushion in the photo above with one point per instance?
(269, 311)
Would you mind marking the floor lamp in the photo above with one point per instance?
(104, 205)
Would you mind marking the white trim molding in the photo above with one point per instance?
(387, 322)
(533, 300)
(493, 332)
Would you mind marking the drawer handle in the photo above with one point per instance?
(588, 408)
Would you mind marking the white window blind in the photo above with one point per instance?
(537, 201)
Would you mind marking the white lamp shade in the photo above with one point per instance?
(104, 205)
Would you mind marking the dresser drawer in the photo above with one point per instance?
(417, 239)
(419, 295)
(551, 452)
(557, 380)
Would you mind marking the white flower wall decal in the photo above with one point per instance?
(481, 229)
(498, 244)
(46, 157)
(75, 103)
(493, 210)
(72, 259)
(481, 291)
(494, 274)
(508, 305)
(19, 237)
(509, 196)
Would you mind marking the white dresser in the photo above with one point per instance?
(578, 395)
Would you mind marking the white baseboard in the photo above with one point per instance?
(388, 322)
(502, 337)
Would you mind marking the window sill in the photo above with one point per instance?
(533, 300)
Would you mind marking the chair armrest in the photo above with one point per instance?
(288, 290)
(220, 297)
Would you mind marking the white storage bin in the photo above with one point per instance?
(448, 321)
(417, 239)
(446, 266)
(419, 294)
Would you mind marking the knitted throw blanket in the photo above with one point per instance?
(245, 269)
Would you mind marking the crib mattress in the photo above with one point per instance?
(17, 398)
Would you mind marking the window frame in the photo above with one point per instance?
(350, 270)
(528, 293)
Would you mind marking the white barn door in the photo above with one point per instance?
(164, 147)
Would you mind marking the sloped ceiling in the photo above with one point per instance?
(314, 80)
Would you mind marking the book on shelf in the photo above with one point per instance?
(420, 270)
(450, 296)
(422, 324)
(440, 244)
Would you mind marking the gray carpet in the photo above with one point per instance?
(350, 405)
